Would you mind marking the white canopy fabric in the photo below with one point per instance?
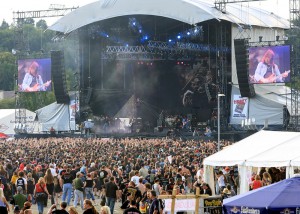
(8, 121)
(279, 155)
(56, 116)
(191, 12)
(262, 149)
(241, 151)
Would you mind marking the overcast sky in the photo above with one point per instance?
(279, 7)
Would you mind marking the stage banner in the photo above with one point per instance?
(73, 108)
(240, 107)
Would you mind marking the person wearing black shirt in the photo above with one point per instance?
(133, 194)
(66, 183)
(132, 209)
(154, 207)
(111, 193)
(170, 185)
(122, 186)
(102, 175)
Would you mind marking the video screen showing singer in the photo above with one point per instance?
(269, 64)
(32, 80)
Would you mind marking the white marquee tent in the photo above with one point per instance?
(262, 149)
(55, 115)
(8, 121)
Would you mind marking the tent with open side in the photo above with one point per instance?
(280, 197)
(262, 149)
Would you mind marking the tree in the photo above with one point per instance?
(4, 25)
(7, 71)
(42, 24)
(6, 39)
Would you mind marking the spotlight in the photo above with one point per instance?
(170, 40)
(188, 33)
(178, 37)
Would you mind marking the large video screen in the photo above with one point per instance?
(269, 64)
(34, 75)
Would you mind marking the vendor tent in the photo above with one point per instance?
(280, 197)
(8, 120)
(264, 148)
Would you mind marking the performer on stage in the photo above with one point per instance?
(33, 81)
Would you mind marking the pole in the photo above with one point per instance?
(218, 122)
(219, 95)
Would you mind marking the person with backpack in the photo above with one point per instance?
(30, 187)
(21, 181)
(103, 174)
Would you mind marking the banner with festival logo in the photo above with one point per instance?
(73, 111)
(240, 107)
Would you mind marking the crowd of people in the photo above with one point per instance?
(83, 168)
(131, 171)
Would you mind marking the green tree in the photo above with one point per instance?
(42, 24)
(4, 25)
(6, 39)
(7, 71)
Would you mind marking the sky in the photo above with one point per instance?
(279, 7)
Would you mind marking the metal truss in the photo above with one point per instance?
(221, 4)
(295, 65)
(158, 50)
(126, 49)
(21, 15)
(266, 43)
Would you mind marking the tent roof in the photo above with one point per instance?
(191, 12)
(283, 194)
(257, 144)
(280, 155)
(6, 112)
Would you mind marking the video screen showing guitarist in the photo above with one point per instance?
(267, 70)
(33, 81)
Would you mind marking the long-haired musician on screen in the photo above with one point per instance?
(267, 71)
(33, 81)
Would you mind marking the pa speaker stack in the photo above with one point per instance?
(59, 77)
(242, 67)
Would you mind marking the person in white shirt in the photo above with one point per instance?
(135, 178)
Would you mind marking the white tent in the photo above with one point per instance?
(8, 121)
(264, 148)
(56, 116)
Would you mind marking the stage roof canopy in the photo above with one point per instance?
(187, 11)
